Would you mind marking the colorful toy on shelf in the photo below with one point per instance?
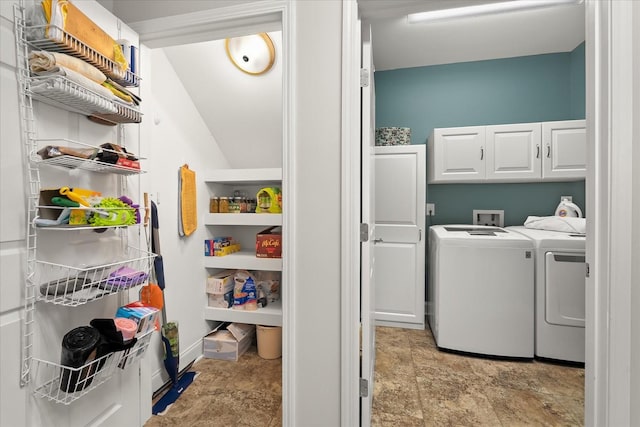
(74, 196)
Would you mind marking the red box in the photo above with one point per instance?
(133, 164)
(269, 243)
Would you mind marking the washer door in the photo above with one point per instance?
(565, 288)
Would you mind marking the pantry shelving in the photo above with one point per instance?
(245, 226)
(70, 280)
(271, 315)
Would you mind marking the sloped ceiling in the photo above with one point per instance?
(243, 112)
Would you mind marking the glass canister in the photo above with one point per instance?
(251, 205)
(234, 205)
(223, 205)
(214, 205)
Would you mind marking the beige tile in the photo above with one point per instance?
(276, 421)
(540, 377)
(574, 407)
(382, 419)
(397, 398)
(516, 407)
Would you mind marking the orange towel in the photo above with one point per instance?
(189, 209)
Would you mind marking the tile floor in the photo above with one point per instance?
(416, 385)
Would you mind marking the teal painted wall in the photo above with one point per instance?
(513, 90)
(578, 83)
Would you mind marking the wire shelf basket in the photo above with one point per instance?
(73, 286)
(64, 384)
(61, 92)
(88, 164)
(70, 45)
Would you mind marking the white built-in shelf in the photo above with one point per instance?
(242, 219)
(245, 176)
(243, 260)
(271, 315)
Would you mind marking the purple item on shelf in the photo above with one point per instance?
(126, 277)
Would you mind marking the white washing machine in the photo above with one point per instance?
(481, 290)
(560, 293)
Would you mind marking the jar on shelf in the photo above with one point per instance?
(251, 205)
(223, 205)
(243, 205)
(234, 205)
(214, 205)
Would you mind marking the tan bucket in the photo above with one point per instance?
(269, 341)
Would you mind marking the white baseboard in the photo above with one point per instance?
(192, 354)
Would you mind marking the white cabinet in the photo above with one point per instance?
(243, 227)
(400, 193)
(565, 146)
(513, 152)
(523, 152)
(457, 154)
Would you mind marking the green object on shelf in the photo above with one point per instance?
(64, 202)
(112, 212)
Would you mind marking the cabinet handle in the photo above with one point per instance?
(481, 153)
(548, 151)
(538, 151)
(378, 241)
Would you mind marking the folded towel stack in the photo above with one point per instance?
(557, 223)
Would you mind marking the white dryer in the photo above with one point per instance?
(560, 293)
(481, 290)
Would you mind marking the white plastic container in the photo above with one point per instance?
(269, 341)
(568, 209)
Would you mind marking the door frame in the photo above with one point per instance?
(350, 217)
(611, 343)
(238, 20)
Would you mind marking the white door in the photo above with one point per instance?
(514, 152)
(367, 280)
(458, 154)
(565, 149)
(400, 241)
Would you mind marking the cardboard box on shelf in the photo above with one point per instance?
(220, 300)
(144, 316)
(229, 342)
(220, 283)
(269, 243)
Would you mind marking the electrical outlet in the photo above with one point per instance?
(493, 218)
(431, 209)
(567, 198)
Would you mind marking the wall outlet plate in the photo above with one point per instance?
(494, 218)
(431, 209)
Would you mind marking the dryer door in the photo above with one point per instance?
(565, 288)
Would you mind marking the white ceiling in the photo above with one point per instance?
(398, 44)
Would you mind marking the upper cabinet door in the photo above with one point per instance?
(457, 154)
(565, 150)
(513, 152)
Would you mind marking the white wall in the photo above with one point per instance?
(317, 162)
(172, 134)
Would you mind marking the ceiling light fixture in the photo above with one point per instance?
(254, 54)
(485, 9)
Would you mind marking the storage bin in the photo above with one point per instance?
(393, 136)
(269, 341)
(230, 343)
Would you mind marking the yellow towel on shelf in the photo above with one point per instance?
(63, 15)
(188, 206)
